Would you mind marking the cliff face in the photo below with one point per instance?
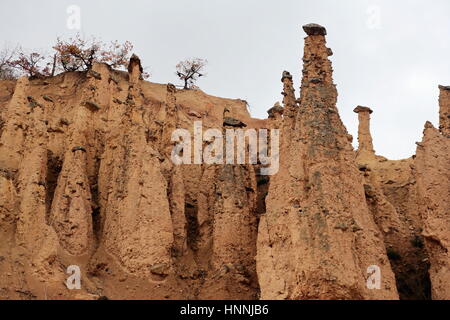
(433, 188)
(87, 180)
(391, 195)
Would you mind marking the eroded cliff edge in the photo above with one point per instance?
(86, 179)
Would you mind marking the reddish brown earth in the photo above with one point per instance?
(86, 179)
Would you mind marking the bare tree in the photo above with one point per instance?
(33, 64)
(190, 70)
(77, 54)
(7, 72)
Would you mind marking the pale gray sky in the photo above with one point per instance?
(388, 55)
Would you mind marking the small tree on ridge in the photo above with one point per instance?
(77, 54)
(6, 70)
(190, 70)
(33, 64)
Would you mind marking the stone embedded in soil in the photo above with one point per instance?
(276, 110)
(232, 122)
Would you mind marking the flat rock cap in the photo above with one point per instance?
(314, 29)
(444, 87)
(286, 75)
(359, 109)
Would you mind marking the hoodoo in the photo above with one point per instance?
(317, 238)
(87, 180)
(364, 136)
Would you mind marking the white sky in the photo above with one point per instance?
(388, 55)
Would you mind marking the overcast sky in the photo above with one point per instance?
(388, 55)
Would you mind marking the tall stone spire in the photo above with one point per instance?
(317, 238)
(364, 136)
(444, 110)
(289, 101)
(317, 69)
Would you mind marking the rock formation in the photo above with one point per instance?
(317, 238)
(444, 110)
(390, 191)
(87, 180)
(433, 188)
(365, 144)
